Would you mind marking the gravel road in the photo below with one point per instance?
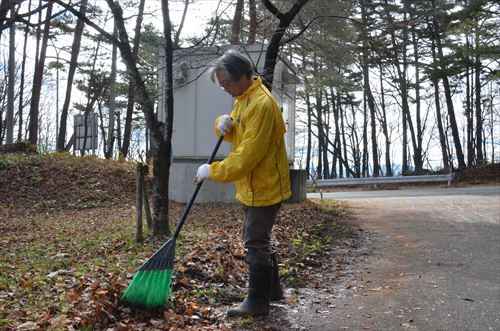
(433, 264)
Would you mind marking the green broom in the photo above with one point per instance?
(151, 285)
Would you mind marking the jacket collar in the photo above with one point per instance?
(257, 81)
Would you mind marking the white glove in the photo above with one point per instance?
(225, 124)
(202, 173)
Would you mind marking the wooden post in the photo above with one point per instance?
(145, 200)
(138, 203)
(298, 180)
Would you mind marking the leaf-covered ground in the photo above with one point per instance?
(68, 250)
(479, 174)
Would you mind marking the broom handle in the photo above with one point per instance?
(196, 190)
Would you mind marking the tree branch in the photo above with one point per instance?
(75, 12)
(308, 24)
(275, 11)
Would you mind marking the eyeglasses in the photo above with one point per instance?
(225, 83)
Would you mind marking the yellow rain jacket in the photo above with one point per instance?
(258, 163)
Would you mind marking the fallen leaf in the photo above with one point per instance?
(58, 322)
(27, 326)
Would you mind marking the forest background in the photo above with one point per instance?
(386, 87)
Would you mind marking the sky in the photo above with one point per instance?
(199, 14)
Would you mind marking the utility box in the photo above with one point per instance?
(198, 102)
(86, 134)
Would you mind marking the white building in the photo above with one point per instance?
(197, 103)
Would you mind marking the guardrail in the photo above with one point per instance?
(381, 180)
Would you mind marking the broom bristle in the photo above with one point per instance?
(149, 288)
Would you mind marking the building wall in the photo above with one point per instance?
(181, 186)
(197, 103)
(196, 107)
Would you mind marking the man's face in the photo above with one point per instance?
(234, 88)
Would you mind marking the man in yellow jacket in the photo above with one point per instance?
(258, 166)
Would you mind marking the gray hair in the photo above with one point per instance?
(234, 64)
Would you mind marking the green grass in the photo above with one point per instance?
(245, 322)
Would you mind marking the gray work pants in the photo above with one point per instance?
(257, 229)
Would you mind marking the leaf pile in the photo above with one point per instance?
(65, 269)
(479, 174)
(64, 181)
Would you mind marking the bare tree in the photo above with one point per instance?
(181, 24)
(447, 92)
(37, 80)
(21, 84)
(108, 151)
(237, 21)
(284, 21)
(75, 50)
(131, 96)
(161, 133)
(370, 101)
(252, 30)
(12, 60)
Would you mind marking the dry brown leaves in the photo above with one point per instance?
(68, 254)
(67, 270)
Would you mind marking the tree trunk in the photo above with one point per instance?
(368, 96)
(236, 25)
(439, 118)
(309, 120)
(344, 144)
(4, 9)
(326, 133)
(139, 191)
(403, 86)
(285, 19)
(108, 151)
(131, 96)
(356, 154)
(479, 115)
(179, 29)
(418, 153)
(21, 83)
(448, 96)
(371, 107)
(337, 143)
(11, 76)
(364, 159)
(93, 95)
(75, 50)
(492, 127)
(37, 81)
(118, 130)
(453, 122)
(309, 130)
(252, 29)
(383, 122)
(321, 173)
(162, 137)
(469, 114)
(162, 151)
(1, 126)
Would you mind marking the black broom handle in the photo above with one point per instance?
(196, 190)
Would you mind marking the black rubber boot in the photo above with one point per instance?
(257, 301)
(276, 292)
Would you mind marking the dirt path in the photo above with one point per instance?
(433, 264)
